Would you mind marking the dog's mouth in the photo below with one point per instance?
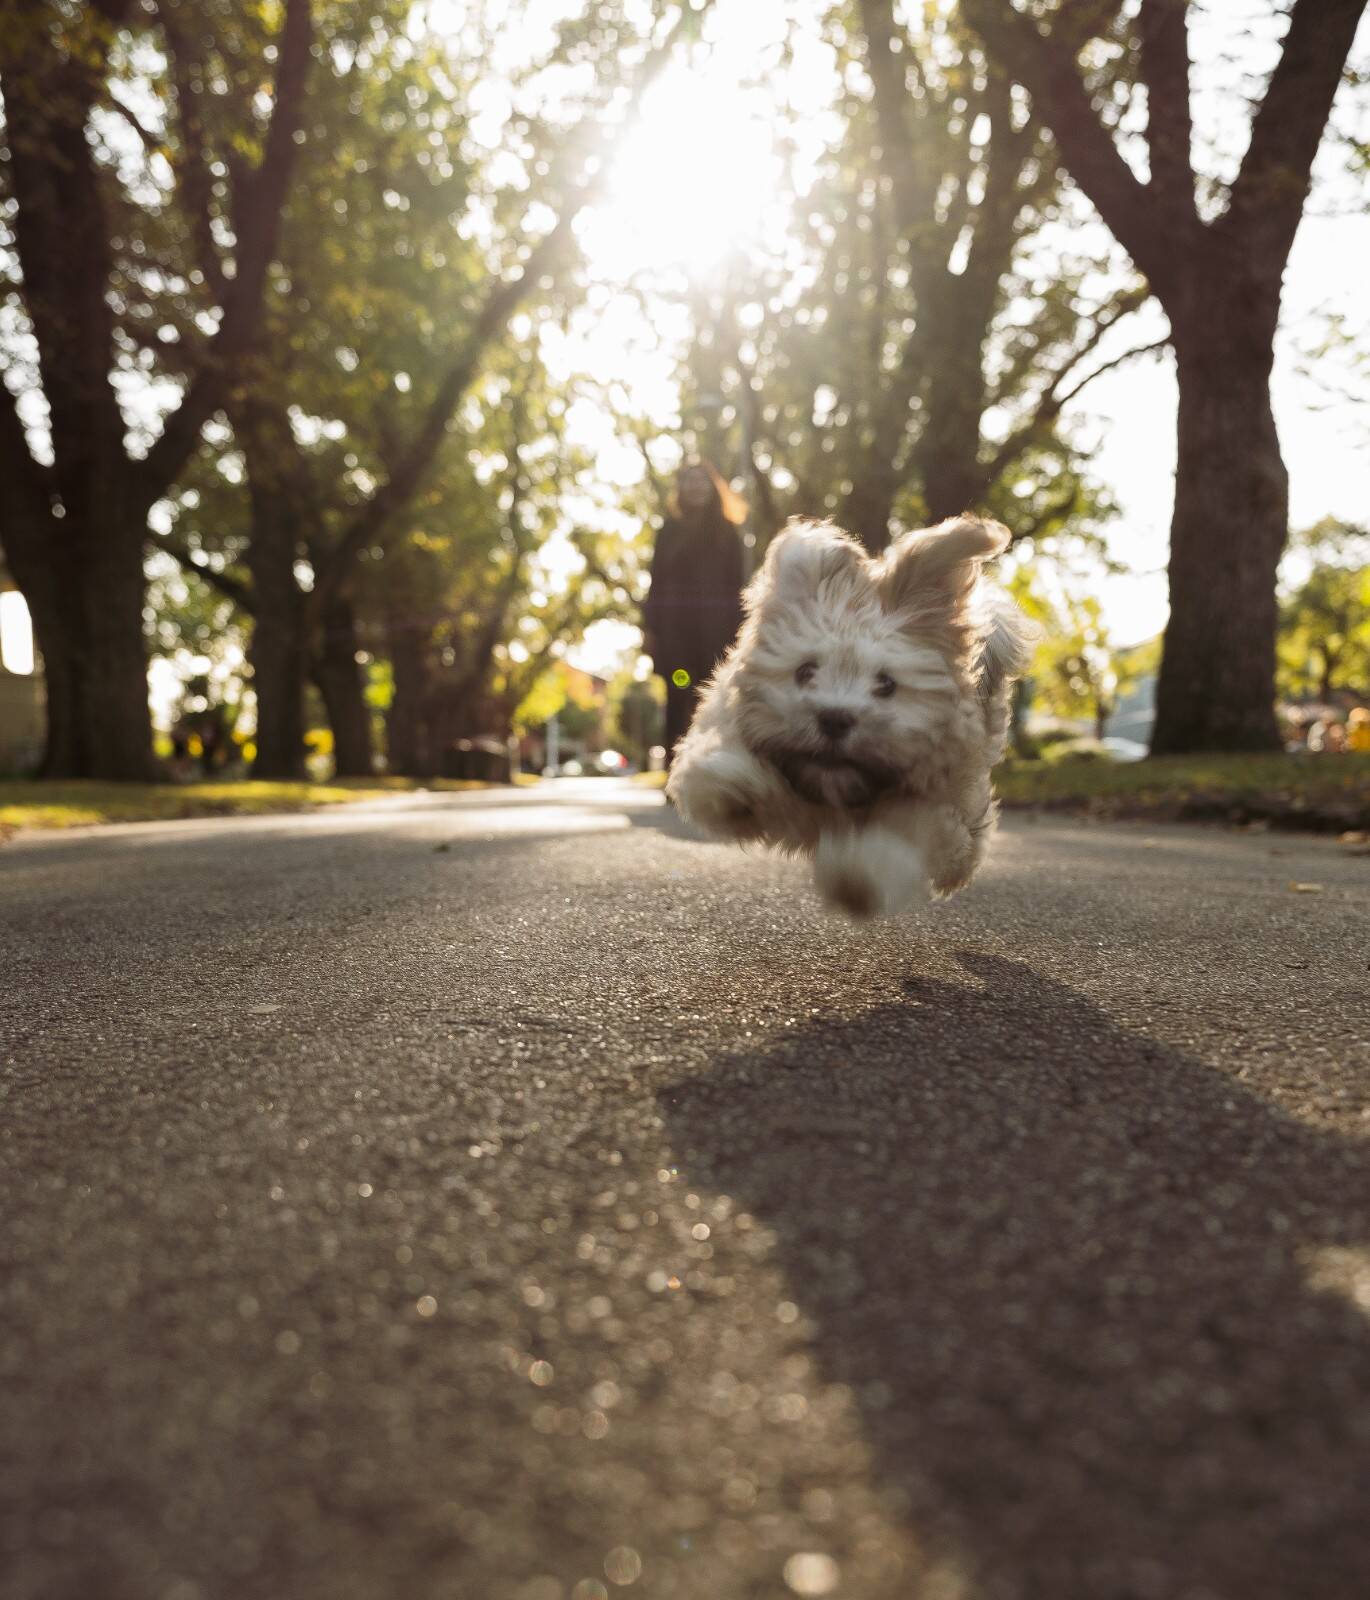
(829, 778)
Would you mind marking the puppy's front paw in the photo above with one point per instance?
(869, 872)
(719, 792)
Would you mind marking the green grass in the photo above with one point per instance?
(1317, 791)
(1321, 792)
(29, 804)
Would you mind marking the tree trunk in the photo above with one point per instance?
(1020, 703)
(52, 630)
(341, 683)
(278, 653)
(949, 447)
(26, 551)
(88, 627)
(869, 505)
(1217, 682)
(278, 676)
(953, 481)
(115, 719)
(406, 729)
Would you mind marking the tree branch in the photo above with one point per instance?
(501, 301)
(1046, 68)
(1164, 34)
(151, 144)
(257, 235)
(764, 485)
(406, 473)
(995, 225)
(196, 181)
(1075, 389)
(1054, 400)
(234, 589)
(32, 483)
(1064, 505)
(913, 183)
(62, 242)
(1271, 186)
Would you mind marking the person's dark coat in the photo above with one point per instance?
(693, 607)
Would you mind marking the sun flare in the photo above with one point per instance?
(698, 176)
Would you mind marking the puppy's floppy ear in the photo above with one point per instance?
(934, 570)
(805, 555)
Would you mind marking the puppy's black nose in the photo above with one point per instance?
(834, 724)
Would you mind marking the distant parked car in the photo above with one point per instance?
(1094, 750)
(1124, 749)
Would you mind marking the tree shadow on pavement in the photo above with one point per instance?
(1095, 1302)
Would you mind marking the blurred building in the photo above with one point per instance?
(576, 731)
(21, 685)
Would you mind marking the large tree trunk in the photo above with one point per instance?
(278, 655)
(1217, 682)
(53, 626)
(78, 551)
(953, 480)
(869, 505)
(408, 747)
(341, 683)
(81, 546)
(948, 451)
(278, 677)
(1219, 281)
(114, 719)
(89, 630)
(50, 606)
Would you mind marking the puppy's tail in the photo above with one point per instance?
(1010, 640)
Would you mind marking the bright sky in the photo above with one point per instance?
(699, 176)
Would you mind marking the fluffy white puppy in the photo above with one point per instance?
(859, 713)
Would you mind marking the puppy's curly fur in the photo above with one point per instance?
(859, 713)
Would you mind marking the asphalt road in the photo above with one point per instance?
(509, 1197)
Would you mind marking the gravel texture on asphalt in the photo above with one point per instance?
(510, 1197)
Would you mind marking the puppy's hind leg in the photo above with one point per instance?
(725, 792)
(869, 872)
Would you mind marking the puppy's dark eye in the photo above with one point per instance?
(805, 675)
(884, 686)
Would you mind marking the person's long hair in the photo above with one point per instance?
(728, 503)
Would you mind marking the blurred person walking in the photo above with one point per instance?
(693, 607)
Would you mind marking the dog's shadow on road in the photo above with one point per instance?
(1096, 1302)
(664, 818)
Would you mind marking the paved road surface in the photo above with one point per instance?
(508, 1197)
